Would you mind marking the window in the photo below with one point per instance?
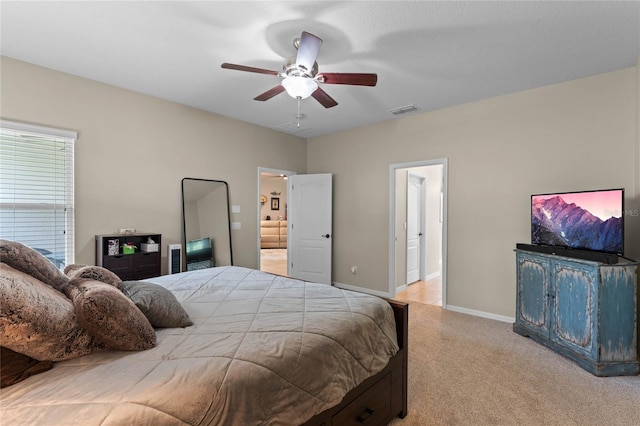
(36, 189)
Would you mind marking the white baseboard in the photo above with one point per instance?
(480, 313)
(401, 288)
(433, 275)
(453, 308)
(361, 290)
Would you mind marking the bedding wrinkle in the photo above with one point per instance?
(304, 327)
(297, 361)
(377, 320)
(168, 418)
(225, 407)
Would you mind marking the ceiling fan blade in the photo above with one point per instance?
(322, 97)
(248, 69)
(355, 79)
(269, 93)
(308, 50)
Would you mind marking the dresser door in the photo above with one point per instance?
(532, 308)
(575, 312)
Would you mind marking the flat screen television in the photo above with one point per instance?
(199, 250)
(585, 220)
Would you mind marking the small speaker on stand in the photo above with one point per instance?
(174, 258)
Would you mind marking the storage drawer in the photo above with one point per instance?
(147, 272)
(122, 265)
(142, 260)
(370, 408)
(146, 265)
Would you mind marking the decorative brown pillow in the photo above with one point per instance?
(15, 367)
(158, 304)
(110, 316)
(73, 267)
(31, 262)
(95, 273)
(39, 321)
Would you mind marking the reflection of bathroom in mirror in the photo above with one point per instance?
(206, 223)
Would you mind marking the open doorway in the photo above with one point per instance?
(272, 220)
(417, 229)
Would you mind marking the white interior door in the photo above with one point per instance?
(310, 233)
(415, 227)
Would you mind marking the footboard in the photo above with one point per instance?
(401, 313)
(381, 397)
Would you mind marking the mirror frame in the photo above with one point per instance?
(184, 221)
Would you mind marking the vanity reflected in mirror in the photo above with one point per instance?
(206, 224)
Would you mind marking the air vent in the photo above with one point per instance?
(404, 110)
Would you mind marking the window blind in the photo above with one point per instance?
(37, 189)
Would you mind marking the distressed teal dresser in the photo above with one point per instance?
(582, 309)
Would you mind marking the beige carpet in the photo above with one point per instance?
(465, 370)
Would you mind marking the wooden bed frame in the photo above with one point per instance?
(381, 397)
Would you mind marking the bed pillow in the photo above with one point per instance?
(106, 313)
(95, 273)
(16, 367)
(38, 321)
(158, 304)
(73, 267)
(31, 262)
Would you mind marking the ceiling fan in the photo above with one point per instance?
(300, 78)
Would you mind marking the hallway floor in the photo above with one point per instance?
(274, 261)
(427, 292)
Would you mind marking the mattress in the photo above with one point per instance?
(264, 349)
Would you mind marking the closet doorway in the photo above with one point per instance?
(417, 231)
(272, 220)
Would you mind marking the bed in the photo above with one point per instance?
(263, 349)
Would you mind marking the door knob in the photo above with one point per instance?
(325, 236)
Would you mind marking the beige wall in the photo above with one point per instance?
(400, 271)
(569, 136)
(133, 150)
(267, 186)
(434, 225)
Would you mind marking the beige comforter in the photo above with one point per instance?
(263, 350)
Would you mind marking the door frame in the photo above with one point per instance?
(258, 205)
(422, 255)
(392, 220)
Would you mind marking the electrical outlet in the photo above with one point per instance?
(354, 270)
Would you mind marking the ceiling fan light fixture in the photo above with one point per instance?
(299, 87)
(300, 78)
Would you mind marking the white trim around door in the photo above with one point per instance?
(392, 221)
(262, 170)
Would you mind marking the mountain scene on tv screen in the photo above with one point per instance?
(554, 222)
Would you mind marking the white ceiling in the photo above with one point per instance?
(429, 54)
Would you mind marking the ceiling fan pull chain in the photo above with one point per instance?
(298, 114)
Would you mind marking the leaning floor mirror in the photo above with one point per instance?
(206, 223)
